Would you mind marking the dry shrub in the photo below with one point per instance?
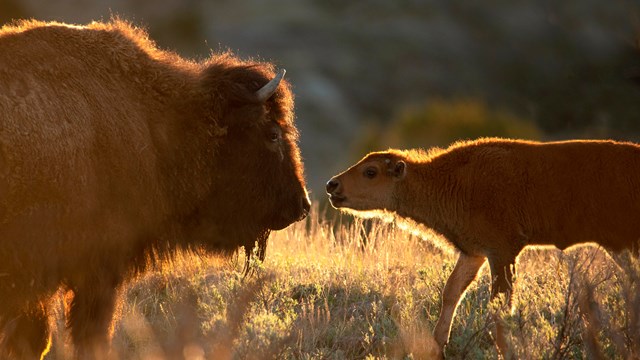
(348, 288)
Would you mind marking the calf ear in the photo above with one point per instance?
(399, 169)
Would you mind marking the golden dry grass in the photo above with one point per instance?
(354, 289)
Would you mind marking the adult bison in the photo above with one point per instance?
(492, 197)
(113, 152)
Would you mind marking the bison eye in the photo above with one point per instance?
(274, 136)
(371, 172)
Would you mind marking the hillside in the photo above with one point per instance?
(565, 66)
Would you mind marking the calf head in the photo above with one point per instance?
(368, 185)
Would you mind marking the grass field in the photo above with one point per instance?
(344, 289)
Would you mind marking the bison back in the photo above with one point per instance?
(78, 166)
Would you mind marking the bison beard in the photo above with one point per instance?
(114, 153)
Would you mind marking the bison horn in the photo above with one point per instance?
(270, 88)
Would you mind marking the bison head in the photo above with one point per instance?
(258, 183)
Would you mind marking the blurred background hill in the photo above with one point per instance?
(372, 74)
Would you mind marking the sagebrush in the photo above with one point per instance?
(334, 287)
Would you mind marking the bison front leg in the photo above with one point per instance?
(90, 318)
(463, 274)
(502, 273)
(25, 335)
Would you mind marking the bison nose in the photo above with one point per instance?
(332, 185)
(306, 206)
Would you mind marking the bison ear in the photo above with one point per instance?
(400, 169)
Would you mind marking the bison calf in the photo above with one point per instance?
(112, 153)
(492, 197)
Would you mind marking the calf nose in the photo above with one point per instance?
(332, 185)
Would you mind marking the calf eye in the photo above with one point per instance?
(371, 172)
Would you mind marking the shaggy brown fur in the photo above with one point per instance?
(112, 151)
(490, 198)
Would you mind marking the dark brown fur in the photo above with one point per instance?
(112, 151)
(492, 197)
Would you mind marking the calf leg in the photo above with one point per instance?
(25, 335)
(502, 277)
(463, 274)
(90, 318)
